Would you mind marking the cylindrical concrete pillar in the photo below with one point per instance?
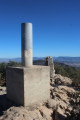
(26, 39)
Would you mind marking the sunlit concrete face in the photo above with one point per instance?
(26, 39)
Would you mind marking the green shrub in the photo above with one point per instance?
(3, 71)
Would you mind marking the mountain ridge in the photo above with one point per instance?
(72, 61)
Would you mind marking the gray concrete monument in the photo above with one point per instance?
(28, 85)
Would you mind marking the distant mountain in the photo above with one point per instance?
(8, 59)
(18, 59)
(72, 61)
(38, 58)
(67, 59)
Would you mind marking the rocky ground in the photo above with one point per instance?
(56, 108)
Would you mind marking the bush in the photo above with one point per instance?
(3, 71)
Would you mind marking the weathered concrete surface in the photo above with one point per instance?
(49, 62)
(26, 39)
(28, 86)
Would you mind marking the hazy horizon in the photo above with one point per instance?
(40, 57)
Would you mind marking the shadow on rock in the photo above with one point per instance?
(5, 104)
(57, 116)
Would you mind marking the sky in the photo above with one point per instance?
(56, 27)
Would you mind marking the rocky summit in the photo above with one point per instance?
(56, 108)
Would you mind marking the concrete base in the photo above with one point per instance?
(28, 86)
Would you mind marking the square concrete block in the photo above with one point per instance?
(28, 86)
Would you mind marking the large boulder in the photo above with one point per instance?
(61, 80)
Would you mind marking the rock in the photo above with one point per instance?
(52, 103)
(2, 90)
(61, 97)
(61, 80)
(46, 113)
(20, 113)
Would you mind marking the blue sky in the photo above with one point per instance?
(56, 27)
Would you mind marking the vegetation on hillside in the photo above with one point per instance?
(68, 71)
(3, 67)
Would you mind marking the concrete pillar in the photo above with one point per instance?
(49, 62)
(26, 43)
